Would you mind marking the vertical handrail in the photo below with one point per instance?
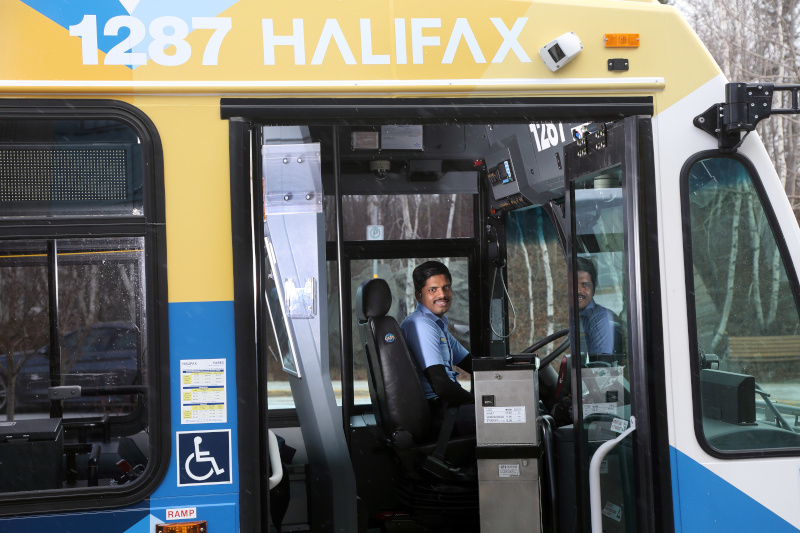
(274, 460)
(56, 407)
(547, 423)
(595, 501)
(345, 346)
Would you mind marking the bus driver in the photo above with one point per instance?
(434, 349)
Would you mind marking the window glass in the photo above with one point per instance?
(402, 217)
(98, 367)
(397, 273)
(74, 355)
(537, 280)
(279, 393)
(334, 340)
(600, 351)
(600, 271)
(125, 340)
(24, 320)
(746, 318)
(283, 346)
(100, 300)
(278, 390)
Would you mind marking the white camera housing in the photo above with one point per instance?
(560, 50)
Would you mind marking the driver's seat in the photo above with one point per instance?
(438, 476)
(402, 408)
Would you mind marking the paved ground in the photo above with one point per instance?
(280, 395)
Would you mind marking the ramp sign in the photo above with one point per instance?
(204, 457)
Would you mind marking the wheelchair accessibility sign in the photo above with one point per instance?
(204, 457)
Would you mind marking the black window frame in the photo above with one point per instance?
(149, 224)
(791, 274)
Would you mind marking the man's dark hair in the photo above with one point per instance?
(426, 270)
(586, 265)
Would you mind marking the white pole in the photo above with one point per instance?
(595, 500)
(375, 221)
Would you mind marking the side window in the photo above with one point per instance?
(537, 280)
(402, 217)
(397, 273)
(100, 297)
(125, 339)
(744, 321)
(79, 344)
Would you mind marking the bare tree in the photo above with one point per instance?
(23, 323)
(548, 278)
(530, 278)
(756, 40)
(730, 281)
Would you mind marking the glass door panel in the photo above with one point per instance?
(613, 377)
(599, 247)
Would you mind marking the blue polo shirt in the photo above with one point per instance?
(598, 330)
(431, 344)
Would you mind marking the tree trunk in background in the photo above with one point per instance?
(450, 217)
(409, 232)
(529, 278)
(755, 248)
(756, 40)
(548, 278)
(774, 296)
(729, 291)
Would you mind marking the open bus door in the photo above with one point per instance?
(622, 480)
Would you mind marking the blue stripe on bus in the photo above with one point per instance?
(705, 502)
(145, 525)
(108, 522)
(199, 330)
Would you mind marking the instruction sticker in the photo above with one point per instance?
(613, 511)
(401, 137)
(619, 425)
(203, 395)
(504, 415)
(605, 408)
(508, 470)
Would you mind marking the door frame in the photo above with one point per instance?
(243, 115)
(629, 142)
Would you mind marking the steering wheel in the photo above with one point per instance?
(547, 340)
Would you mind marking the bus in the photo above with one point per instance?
(210, 213)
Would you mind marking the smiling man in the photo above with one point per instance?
(435, 350)
(599, 331)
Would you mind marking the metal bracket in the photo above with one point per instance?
(746, 104)
(589, 137)
(65, 391)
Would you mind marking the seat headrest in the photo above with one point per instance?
(373, 299)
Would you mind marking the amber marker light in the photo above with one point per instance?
(183, 527)
(622, 40)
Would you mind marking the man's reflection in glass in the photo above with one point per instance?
(599, 329)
